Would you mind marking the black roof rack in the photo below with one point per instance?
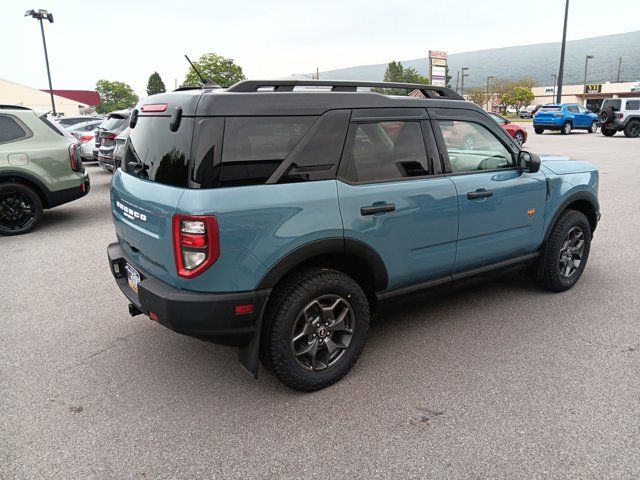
(429, 91)
(13, 107)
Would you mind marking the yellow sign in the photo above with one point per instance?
(438, 62)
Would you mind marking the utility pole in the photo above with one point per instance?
(562, 49)
(464, 69)
(488, 78)
(619, 68)
(553, 94)
(317, 73)
(584, 89)
(457, 80)
(44, 15)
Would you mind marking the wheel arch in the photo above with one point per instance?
(582, 202)
(353, 257)
(30, 181)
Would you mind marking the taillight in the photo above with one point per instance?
(109, 136)
(75, 166)
(196, 243)
(620, 115)
(85, 138)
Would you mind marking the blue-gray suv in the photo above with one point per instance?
(279, 215)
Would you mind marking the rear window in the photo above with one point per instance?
(55, 127)
(157, 154)
(113, 123)
(550, 108)
(616, 103)
(10, 130)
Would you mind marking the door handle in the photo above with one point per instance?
(373, 209)
(480, 193)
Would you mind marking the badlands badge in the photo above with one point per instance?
(531, 212)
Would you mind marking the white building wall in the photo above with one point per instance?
(15, 94)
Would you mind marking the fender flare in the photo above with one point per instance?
(325, 246)
(577, 196)
(44, 192)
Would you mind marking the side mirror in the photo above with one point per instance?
(507, 121)
(529, 162)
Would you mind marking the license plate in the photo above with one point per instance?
(133, 277)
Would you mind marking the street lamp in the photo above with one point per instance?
(464, 69)
(555, 76)
(488, 78)
(564, 44)
(586, 64)
(313, 77)
(44, 15)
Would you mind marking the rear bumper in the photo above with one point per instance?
(69, 194)
(548, 125)
(204, 315)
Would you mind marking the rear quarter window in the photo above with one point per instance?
(11, 129)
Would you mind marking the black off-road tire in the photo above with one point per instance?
(538, 130)
(550, 276)
(287, 303)
(632, 130)
(30, 197)
(608, 132)
(566, 129)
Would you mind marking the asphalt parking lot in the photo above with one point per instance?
(498, 379)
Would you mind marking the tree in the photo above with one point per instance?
(155, 84)
(518, 97)
(477, 95)
(217, 68)
(396, 73)
(115, 96)
(447, 77)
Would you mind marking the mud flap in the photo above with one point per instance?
(249, 354)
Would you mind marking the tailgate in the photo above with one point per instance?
(143, 213)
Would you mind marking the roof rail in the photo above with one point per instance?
(429, 91)
(13, 107)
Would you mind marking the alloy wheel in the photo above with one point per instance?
(571, 252)
(322, 332)
(17, 211)
(519, 138)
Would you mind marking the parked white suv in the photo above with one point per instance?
(620, 114)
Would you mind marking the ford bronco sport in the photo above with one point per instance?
(620, 114)
(277, 215)
(39, 168)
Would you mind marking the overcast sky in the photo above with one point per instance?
(128, 40)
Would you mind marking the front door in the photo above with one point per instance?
(501, 208)
(393, 197)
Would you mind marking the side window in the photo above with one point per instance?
(473, 147)
(253, 147)
(573, 109)
(10, 130)
(387, 151)
(633, 104)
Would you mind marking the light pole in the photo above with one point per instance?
(313, 77)
(553, 94)
(584, 90)
(462, 75)
(564, 44)
(488, 78)
(44, 15)
(619, 68)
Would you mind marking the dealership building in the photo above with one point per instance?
(67, 102)
(590, 95)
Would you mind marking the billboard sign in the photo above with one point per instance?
(593, 88)
(438, 68)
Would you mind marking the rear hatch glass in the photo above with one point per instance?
(549, 109)
(156, 154)
(616, 103)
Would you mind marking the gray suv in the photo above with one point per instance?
(620, 114)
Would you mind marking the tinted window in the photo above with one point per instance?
(156, 153)
(262, 138)
(633, 104)
(616, 103)
(547, 108)
(10, 130)
(573, 108)
(473, 147)
(387, 151)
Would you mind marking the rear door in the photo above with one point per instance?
(501, 209)
(146, 191)
(393, 196)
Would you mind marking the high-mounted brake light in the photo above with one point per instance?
(154, 107)
(196, 243)
(73, 161)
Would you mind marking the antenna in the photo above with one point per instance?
(204, 82)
